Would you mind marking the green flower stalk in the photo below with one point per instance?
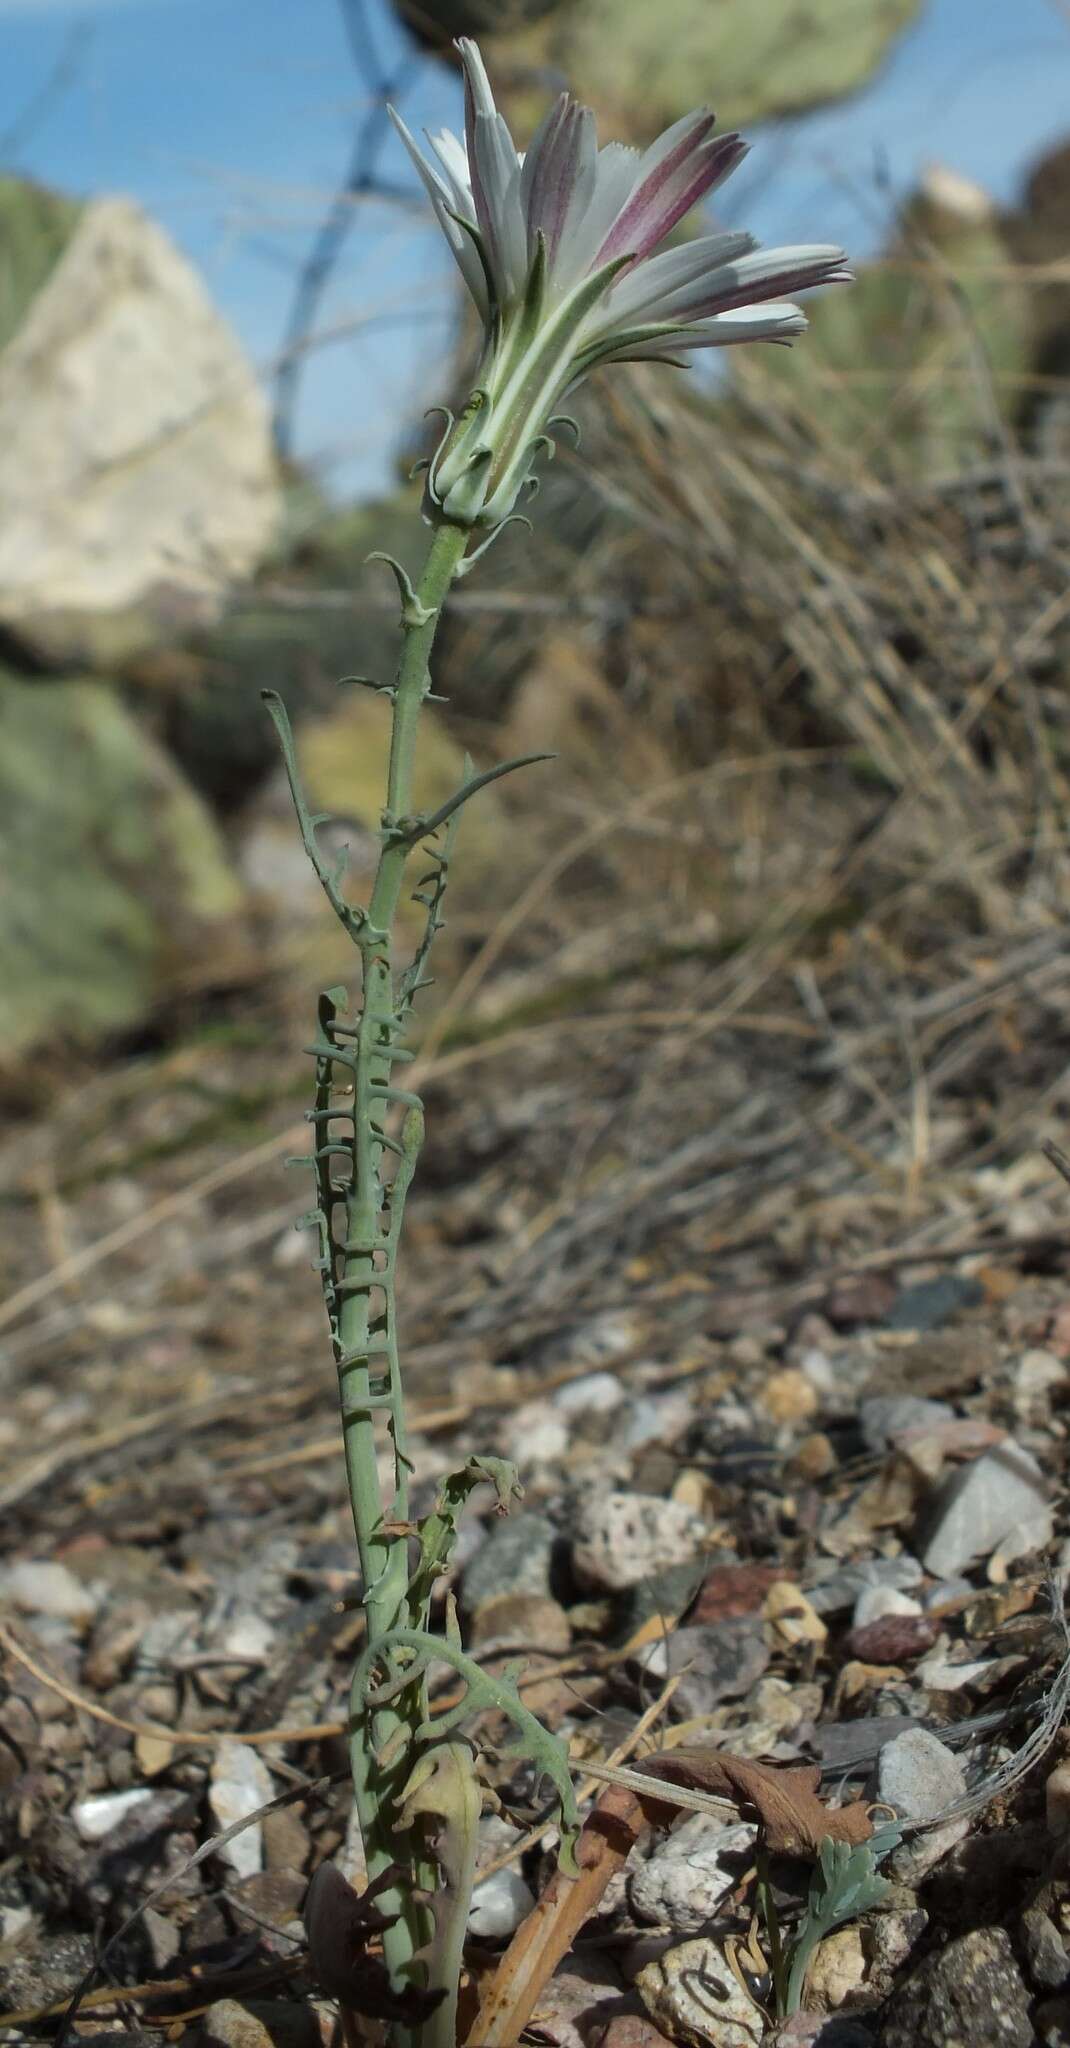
(560, 250)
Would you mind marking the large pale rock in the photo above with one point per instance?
(116, 880)
(136, 467)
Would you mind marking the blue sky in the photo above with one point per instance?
(230, 121)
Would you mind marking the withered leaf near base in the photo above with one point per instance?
(794, 1817)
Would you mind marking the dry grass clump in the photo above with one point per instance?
(811, 688)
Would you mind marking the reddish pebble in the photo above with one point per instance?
(731, 1590)
(893, 1639)
(631, 2030)
(859, 1298)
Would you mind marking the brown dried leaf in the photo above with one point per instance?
(793, 1816)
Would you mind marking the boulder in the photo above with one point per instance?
(136, 464)
(117, 887)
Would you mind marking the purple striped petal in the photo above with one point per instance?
(769, 274)
(668, 191)
(548, 179)
(652, 288)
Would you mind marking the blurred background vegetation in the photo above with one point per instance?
(797, 627)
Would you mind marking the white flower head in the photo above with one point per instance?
(559, 249)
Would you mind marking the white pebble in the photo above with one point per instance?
(15, 1922)
(39, 1586)
(918, 1776)
(874, 1602)
(685, 1880)
(499, 1904)
(536, 1435)
(621, 1538)
(241, 1782)
(95, 1818)
(597, 1393)
(1037, 1373)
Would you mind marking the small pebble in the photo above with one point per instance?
(969, 1992)
(840, 1588)
(1037, 1374)
(248, 1638)
(791, 1616)
(629, 2030)
(520, 1621)
(516, 1558)
(240, 1783)
(664, 1597)
(819, 1369)
(536, 1435)
(813, 1459)
(620, 1538)
(1000, 1498)
(95, 1818)
(39, 1586)
(884, 1417)
(941, 1673)
(164, 1938)
(790, 1396)
(258, 2023)
(691, 1993)
(729, 1589)
(888, 1940)
(16, 1924)
(859, 1298)
(894, 1639)
(920, 1854)
(652, 1419)
(718, 1663)
(930, 1303)
(836, 1970)
(571, 2004)
(946, 1592)
(597, 1393)
(1045, 1953)
(499, 1904)
(874, 1602)
(919, 1777)
(686, 1878)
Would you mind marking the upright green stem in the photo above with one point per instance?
(366, 1335)
(382, 1561)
